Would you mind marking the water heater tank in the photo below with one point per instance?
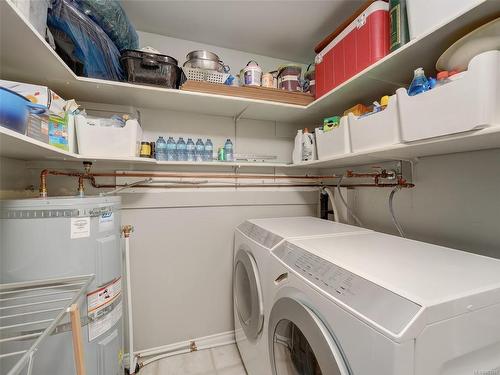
(48, 238)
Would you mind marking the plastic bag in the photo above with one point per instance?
(92, 46)
(110, 16)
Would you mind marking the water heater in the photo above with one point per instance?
(46, 238)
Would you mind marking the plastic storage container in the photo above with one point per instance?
(15, 109)
(424, 15)
(466, 103)
(334, 142)
(108, 141)
(377, 129)
(288, 78)
(252, 74)
(151, 68)
(359, 45)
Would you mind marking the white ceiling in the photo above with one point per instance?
(282, 29)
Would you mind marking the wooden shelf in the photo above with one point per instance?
(33, 61)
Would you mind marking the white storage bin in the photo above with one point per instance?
(424, 15)
(376, 130)
(108, 141)
(466, 103)
(334, 142)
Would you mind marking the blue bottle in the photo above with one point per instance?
(171, 149)
(419, 84)
(161, 149)
(228, 150)
(190, 148)
(181, 150)
(209, 151)
(200, 150)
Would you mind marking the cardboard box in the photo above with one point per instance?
(39, 95)
(58, 132)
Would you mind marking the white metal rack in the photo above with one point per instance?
(34, 310)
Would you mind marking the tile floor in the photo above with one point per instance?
(224, 360)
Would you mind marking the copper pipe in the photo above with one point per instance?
(235, 185)
(87, 175)
(196, 175)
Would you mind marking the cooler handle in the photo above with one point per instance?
(150, 61)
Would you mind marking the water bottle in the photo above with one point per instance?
(161, 149)
(181, 150)
(171, 149)
(190, 148)
(228, 150)
(419, 84)
(200, 150)
(209, 151)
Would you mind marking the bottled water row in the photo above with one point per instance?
(181, 150)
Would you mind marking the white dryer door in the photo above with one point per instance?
(248, 294)
(300, 344)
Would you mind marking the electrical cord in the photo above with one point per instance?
(391, 210)
(349, 211)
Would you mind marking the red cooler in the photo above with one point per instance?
(363, 42)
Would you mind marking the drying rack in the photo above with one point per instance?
(35, 310)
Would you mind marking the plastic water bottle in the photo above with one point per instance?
(181, 150)
(419, 84)
(190, 150)
(171, 149)
(161, 149)
(228, 150)
(200, 150)
(209, 151)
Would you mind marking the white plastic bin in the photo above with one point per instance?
(334, 142)
(108, 141)
(424, 15)
(467, 103)
(376, 130)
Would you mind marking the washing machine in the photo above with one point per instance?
(254, 241)
(374, 304)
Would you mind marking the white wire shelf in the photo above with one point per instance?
(29, 313)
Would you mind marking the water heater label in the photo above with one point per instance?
(106, 221)
(80, 227)
(104, 308)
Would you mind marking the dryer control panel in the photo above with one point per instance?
(369, 300)
(260, 235)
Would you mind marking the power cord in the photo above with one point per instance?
(391, 210)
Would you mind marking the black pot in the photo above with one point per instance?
(151, 68)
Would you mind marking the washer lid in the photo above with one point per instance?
(299, 342)
(270, 232)
(247, 293)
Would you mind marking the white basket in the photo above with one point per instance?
(467, 103)
(424, 15)
(376, 130)
(108, 141)
(201, 75)
(334, 142)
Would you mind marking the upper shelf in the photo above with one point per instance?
(25, 56)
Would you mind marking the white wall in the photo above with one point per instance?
(456, 203)
(179, 48)
(182, 250)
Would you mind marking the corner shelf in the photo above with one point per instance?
(21, 147)
(379, 79)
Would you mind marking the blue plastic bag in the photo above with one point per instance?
(93, 47)
(113, 20)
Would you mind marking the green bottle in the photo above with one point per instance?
(399, 24)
